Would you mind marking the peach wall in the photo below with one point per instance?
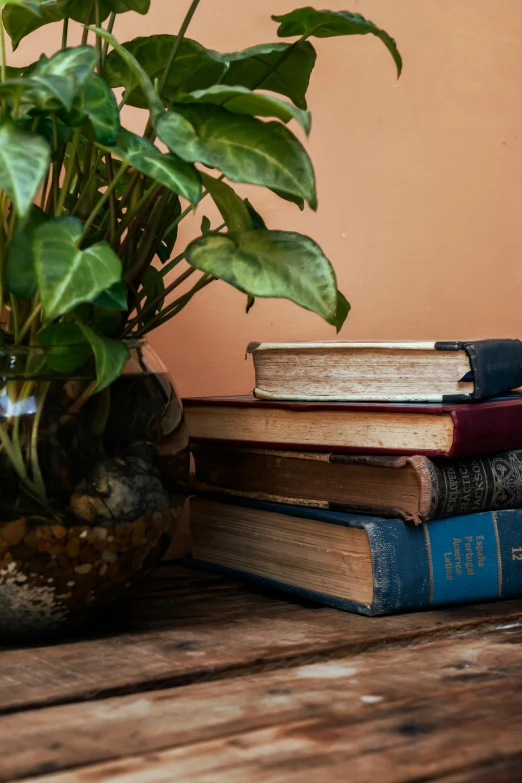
(420, 181)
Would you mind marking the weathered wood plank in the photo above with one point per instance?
(503, 772)
(347, 690)
(418, 740)
(169, 640)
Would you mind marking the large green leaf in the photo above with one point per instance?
(99, 104)
(68, 276)
(80, 10)
(278, 67)
(276, 264)
(195, 67)
(233, 209)
(139, 74)
(20, 272)
(243, 148)
(24, 161)
(68, 347)
(19, 22)
(167, 169)
(327, 24)
(110, 356)
(55, 83)
(241, 100)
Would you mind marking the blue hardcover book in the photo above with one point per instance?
(360, 563)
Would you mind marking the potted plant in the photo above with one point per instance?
(92, 440)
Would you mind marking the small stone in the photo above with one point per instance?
(119, 490)
(103, 569)
(73, 547)
(71, 584)
(32, 539)
(13, 532)
(85, 568)
(108, 556)
(60, 531)
(99, 533)
(84, 534)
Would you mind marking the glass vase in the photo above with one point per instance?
(91, 484)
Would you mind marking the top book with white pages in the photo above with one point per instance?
(387, 371)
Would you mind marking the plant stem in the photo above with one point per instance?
(101, 202)
(65, 31)
(177, 44)
(113, 218)
(140, 205)
(97, 20)
(85, 33)
(152, 304)
(3, 69)
(28, 323)
(14, 316)
(35, 464)
(175, 307)
(71, 165)
(110, 27)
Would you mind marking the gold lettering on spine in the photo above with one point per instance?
(430, 561)
(499, 559)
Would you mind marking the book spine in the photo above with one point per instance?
(477, 557)
(485, 429)
(469, 486)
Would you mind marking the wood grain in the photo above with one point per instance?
(414, 741)
(349, 690)
(169, 638)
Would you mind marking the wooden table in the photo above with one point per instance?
(203, 680)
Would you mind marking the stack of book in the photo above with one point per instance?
(376, 478)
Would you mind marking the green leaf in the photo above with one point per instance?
(278, 67)
(24, 161)
(327, 24)
(251, 300)
(167, 169)
(121, 6)
(139, 75)
(343, 308)
(110, 356)
(80, 10)
(19, 22)
(233, 209)
(243, 148)
(114, 297)
(69, 346)
(275, 264)
(101, 108)
(68, 276)
(241, 100)
(20, 272)
(195, 67)
(205, 225)
(290, 197)
(56, 82)
(257, 221)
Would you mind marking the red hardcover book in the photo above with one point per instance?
(450, 430)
